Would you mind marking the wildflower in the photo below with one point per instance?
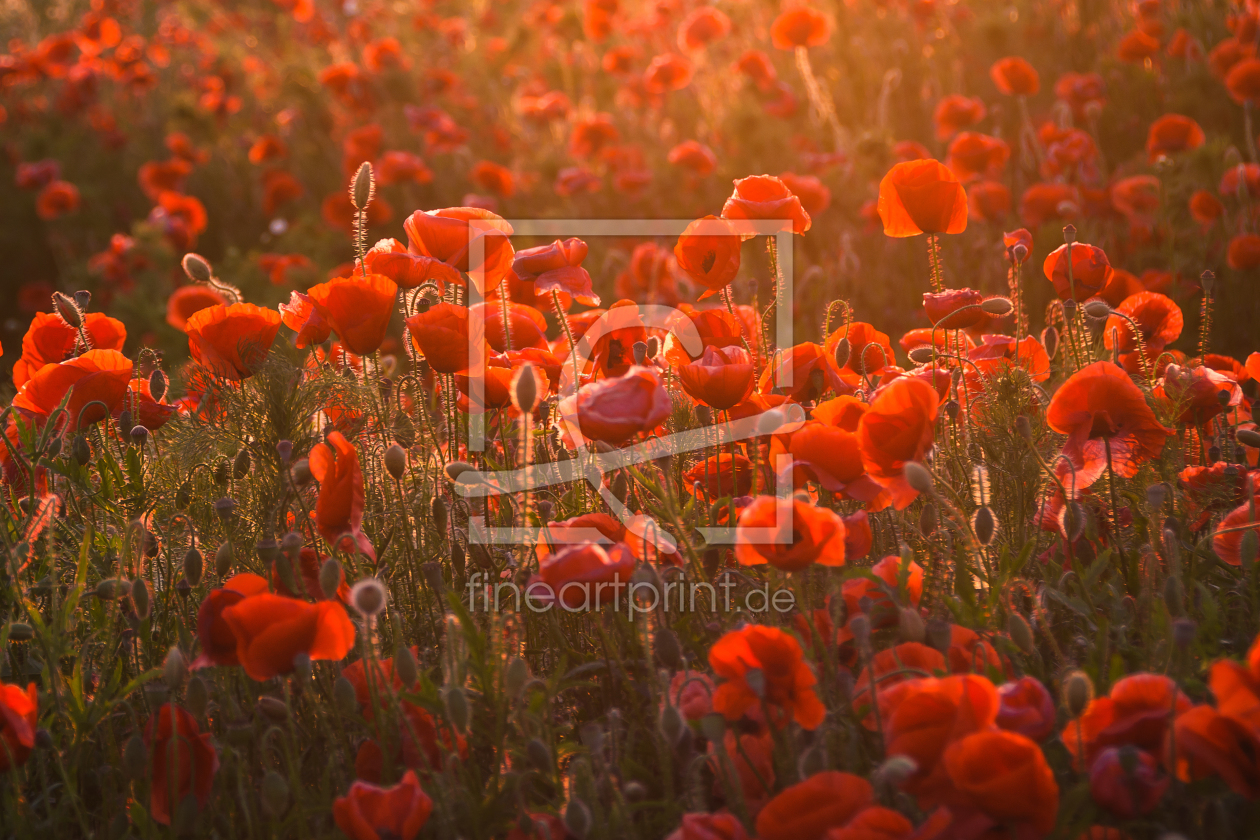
(816, 535)
(785, 682)
(368, 812)
(172, 735)
(19, 712)
(231, 341)
(921, 196)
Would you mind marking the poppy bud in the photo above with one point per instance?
(140, 598)
(82, 298)
(139, 435)
(1097, 309)
(1073, 520)
(515, 675)
(54, 447)
(157, 385)
(67, 309)
(81, 451)
(812, 761)
(524, 389)
(395, 461)
(284, 450)
(1020, 252)
(538, 755)
(20, 631)
(998, 306)
(301, 473)
(343, 693)
(1183, 632)
(197, 696)
(620, 487)
(432, 573)
(459, 560)
(223, 559)
(860, 627)
(437, 507)
(668, 650)
(634, 792)
(457, 709)
(1248, 437)
(1078, 693)
(457, 468)
(1050, 340)
(577, 818)
(124, 423)
(842, 351)
(1207, 279)
(918, 477)
(1174, 596)
(910, 625)
(927, 520)
(939, 635)
(135, 758)
(173, 668)
(197, 268)
(241, 464)
(112, 589)
(363, 189)
(194, 565)
(984, 523)
(1069, 233)
(671, 724)
(368, 596)
(921, 355)
(952, 408)
(1020, 632)
(274, 794)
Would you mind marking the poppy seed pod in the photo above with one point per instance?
(273, 709)
(1069, 233)
(1020, 252)
(223, 558)
(301, 473)
(82, 298)
(225, 507)
(921, 355)
(139, 435)
(538, 755)
(274, 794)
(577, 818)
(112, 589)
(368, 596)
(1020, 632)
(524, 389)
(927, 520)
(896, 769)
(395, 461)
(1050, 340)
(173, 668)
(81, 451)
(284, 450)
(197, 268)
(918, 477)
(1207, 279)
(1078, 693)
(194, 566)
(363, 188)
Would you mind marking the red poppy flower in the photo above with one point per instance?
(172, 735)
(881, 609)
(1136, 47)
(614, 410)
(667, 73)
(1208, 743)
(1244, 252)
(309, 321)
(1240, 181)
(156, 177)
(1158, 319)
(1173, 133)
(493, 177)
(921, 196)
(187, 301)
(808, 810)
(358, 308)
(649, 278)
(271, 630)
(231, 341)
(715, 328)
(708, 250)
(440, 334)
(57, 199)
(843, 412)
(218, 642)
(693, 155)
(1005, 776)
(581, 576)
(339, 508)
(721, 378)
(1097, 407)
(1205, 208)
(1026, 708)
(558, 267)
(50, 340)
(955, 112)
(765, 198)
(816, 535)
(1014, 76)
(943, 308)
(1137, 713)
(972, 154)
(899, 426)
(1090, 271)
(786, 684)
(800, 26)
(35, 174)
(1227, 542)
(591, 135)
(447, 236)
(368, 812)
(814, 195)
(756, 65)
(1243, 80)
(1045, 202)
(832, 457)
(813, 372)
(19, 713)
(988, 201)
(1121, 287)
(1196, 393)
(702, 27)
(1128, 788)
(409, 270)
(267, 148)
(720, 476)
(96, 376)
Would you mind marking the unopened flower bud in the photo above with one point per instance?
(910, 625)
(368, 596)
(524, 388)
(173, 668)
(140, 598)
(1078, 693)
(457, 708)
(135, 758)
(194, 566)
(842, 351)
(515, 675)
(197, 696)
(984, 523)
(577, 818)
(457, 468)
(197, 268)
(918, 477)
(67, 309)
(363, 188)
(273, 708)
(395, 461)
(274, 794)
(343, 693)
(998, 306)
(1020, 632)
(1174, 596)
(1184, 631)
(223, 558)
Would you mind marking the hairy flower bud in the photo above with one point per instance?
(918, 477)
(363, 188)
(1020, 632)
(197, 268)
(395, 461)
(1078, 692)
(194, 566)
(223, 558)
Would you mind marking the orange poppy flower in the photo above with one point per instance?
(1026, 708)
(842, 412)
(267, 148)
(787, 679)
(800, 26)
(1157, 317)
(899, 426)
(702, 27)
(1136, 47)
(693, 155)
(1208, 743)
(218, 642)
(174, 732)
(145, 411)
(49, 340)
(306, 574)
(19, 714)
(1236, 686)
(231, 341)
(708, 250)
(940, 306)
(756, 65)
(881, 609)
(720, 476)
(1138, 712)
(1244, 252)
(419, 744)
(1090, 271)
(813, 372)
(1015, 77)
(339, 508)
(972, 154)
(968, 653)
(816, 535)
(955, 112)
(1099, 406)
(715, 328)
(890, 666)
(1197, 394)
(831, 456)
(921, 196)
(612, 345)
(309, 321)
(447, 236)
(156, 177)
(581, 576)
(720, 378)
(809, 809)
(1243, 80)
(358, 308)
(667, 73)
(440, 334)
(558, 267)
(1173, 133)
(814, 195)
(1121, 286)
(271, 630)
(649, 278)
(368, 812)
(614, 410)
(765, 198)
(493, 177)
(96, 376)
(397, 167)
(1006, 777)
(409, 270)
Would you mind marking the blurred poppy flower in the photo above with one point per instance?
(493, 177)
(954, 309)
(19, 714)
(1045, 202)
(692, 155)
(756, 65)
(1126, 781)
(899, 426)
(808, 810)
(1138, 712)
(368, 812)
(709, 251)
(180, 754)
(649, 278)
(805, 372)
(667, 73)
(988, 201)
(50, 340)
(96, 376)
(1006, 777)
(156, 177)
(1080, 90)
(232, 341)
(1014, 76)
(765, 198)
(1244, 252)
(396, 167)
(592, 134)
(1243, 81)
(1026, 708)
(218, 642)
(267, 148)
(57, 199)
(972, 154)
(800, 26)
(1090, 271)
(271, 630)
(720, 826)
(702, 27)
(1241, 181)
(558, 267)
(339, 508)
(955, 112)
(784, 680)
(358, 308)
(921, 196)
(34, 175)
(1136, 47)
(720, 378)
(280, 187)
(581, 576)
(1208, 743)
(614, 410)
(1173, 133)
(1205, 208)
(816, 535)
(447, 236)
